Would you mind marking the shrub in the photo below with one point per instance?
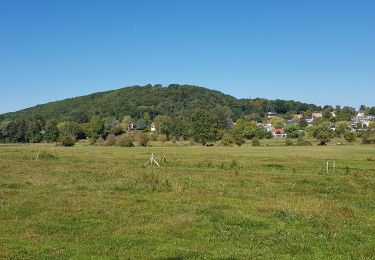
(125, 141)
(173, 139)
(301, 141)
(288, 141)
(192, 142)
(162, 138)
(111, 140)
(117, 130)
(46, 155)
(153, 137)
(227, 139)
(100, 141)
(92, 141)
(368, 138)
(143, 139)
(238, 138)
(349, 136)
(68, 141)
(255, 142)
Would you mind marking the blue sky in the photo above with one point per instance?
(317, 51)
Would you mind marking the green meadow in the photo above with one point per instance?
(202, 203)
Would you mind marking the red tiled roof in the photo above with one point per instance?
(278, 130)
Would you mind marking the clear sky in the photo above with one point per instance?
(320, 51)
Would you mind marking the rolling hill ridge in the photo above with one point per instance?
(154, 100)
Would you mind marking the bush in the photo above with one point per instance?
(288, 141)
(92, 141)
(162, 138)
(111, 140)
(68, 141)
(238, 138)
(192, 142)
(101, 141)
(349, 136)
(46, 155)
(143, 139)
(255, 142)
(368, 138)
(117, 130)
(125, 141)
(173, 139)
(153, 137)
(227, 139)
(301, 141)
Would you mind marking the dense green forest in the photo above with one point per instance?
(153, 100)
(175, 112)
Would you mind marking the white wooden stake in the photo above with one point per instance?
(327, 167)
(152, 161)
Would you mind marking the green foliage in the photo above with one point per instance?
(254, 131)
(125, 141)
(47, 155)
(117, 130)
(73, 129)
(238, 137)
(349, 136)
(227, 139)
(162, 138)
(277, 122)
(110, 140)
(292, 131)
(204, 127)
(288, 142)
(342, 127)
(301, 141)
(96, 127)
(155, 100)
(142, 139)
(255, 142)
(302, 124)
(322, 132)
(368, 138)
(345, 113)
(68, 141)
(51, 131)
(142, 124)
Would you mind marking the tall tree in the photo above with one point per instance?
(204, 127)
(96, 127)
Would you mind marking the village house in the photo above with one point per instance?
(361, 121)
(278, 133)
(153, 128)
(309, 120)
(289, 122)
(317, 115)
(271, 115)
(266, 126)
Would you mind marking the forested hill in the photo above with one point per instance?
(154, 100)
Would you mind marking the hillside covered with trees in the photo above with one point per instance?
(154, 100)
(180, 112)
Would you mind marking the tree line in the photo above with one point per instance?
(178, 112)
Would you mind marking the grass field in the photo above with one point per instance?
(205, 202)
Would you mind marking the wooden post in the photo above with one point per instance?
(152, 161)
(327, 167)
(163, 158)
(37, 156)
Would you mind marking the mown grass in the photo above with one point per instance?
(205, 202)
